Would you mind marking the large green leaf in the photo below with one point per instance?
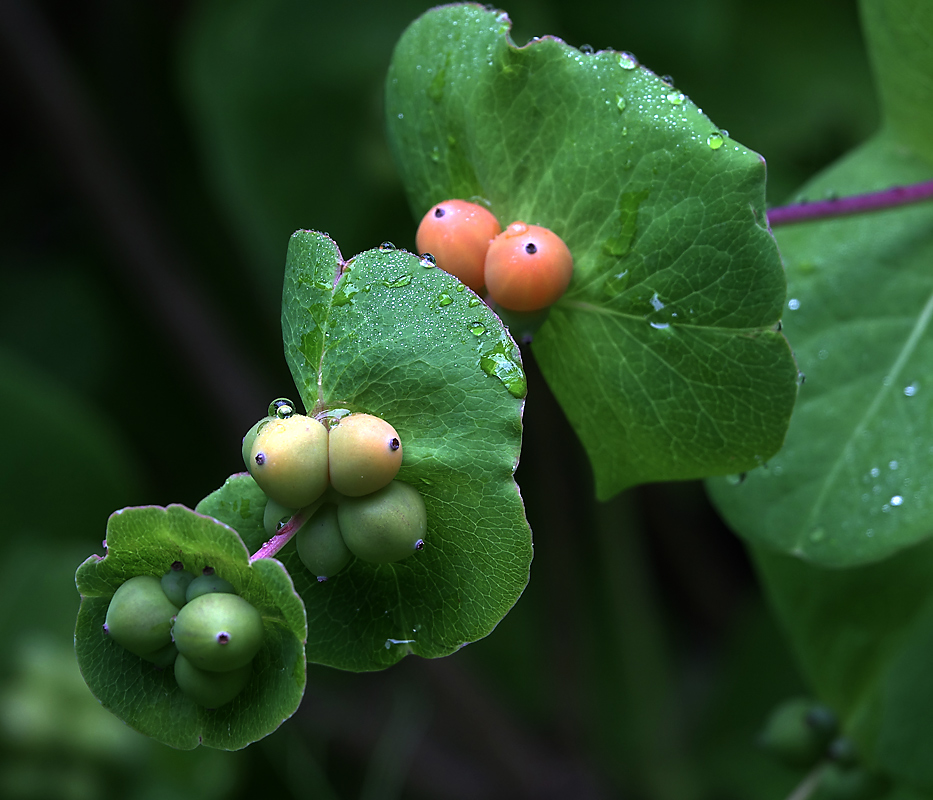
(146, 541)
(388, 334)
(662, 352)
(863, 637)
(852, 483)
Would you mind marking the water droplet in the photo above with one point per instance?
(725, 133)
(870, 532)
(801, 378)
(675, 98)
(823, 355)
(668, 79)
(474, 302)
(911, 390)
(897, 500)
(875, 472)
(477, 329)
(793, 304)
(656, 303)
(892, 465)
(345, 293)
(401, 116)
(282, 408)
(714, 140)
(499, 363)
(461, 287)
(627, 60)
(660, 326)
(428, 261)
(401, 280)
(385, 247)
(444, 299)
(436, 155)
(735, 480)
(817, 534)
(390, 642)
(587, 49)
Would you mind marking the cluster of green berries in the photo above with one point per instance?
(296, 459)
(800, 734)
(198, 625)
(524, 268)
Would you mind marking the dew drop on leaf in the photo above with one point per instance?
(627, 60)
(282, 408)
(715, 141)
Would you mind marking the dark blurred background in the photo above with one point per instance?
(155, 159)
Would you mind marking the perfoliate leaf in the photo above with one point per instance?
(146, 541)
(662, 352)
(388, 334)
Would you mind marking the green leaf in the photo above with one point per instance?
(388, 334)
(662, 351)
(863, 638)
(898, 36)
(146, 541)
(852, 483)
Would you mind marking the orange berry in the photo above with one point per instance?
(457, 234)
(527, 267)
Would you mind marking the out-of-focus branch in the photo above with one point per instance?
(147, 259)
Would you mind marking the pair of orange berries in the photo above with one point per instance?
(524, 267)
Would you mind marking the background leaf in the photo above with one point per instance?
(661, 352)
(146, 541)
(852, 483)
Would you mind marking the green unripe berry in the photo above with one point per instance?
(288, 460)
(320, 544)
(274, 514)
(386, 525)
(210, 689)
(798, 731)
(218, 632)
(208, 583)
(248, 440)
(365, 454)
(139, 616)
(175, 583)
(163, 657)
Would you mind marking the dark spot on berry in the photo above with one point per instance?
(395, 444)
(106, 629)
(419, 545)
(223, 637)
(260, 459)
(439, 212)
(531, 248)
(177, 566)
(208, 570)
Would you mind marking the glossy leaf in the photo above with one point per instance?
(863, 638)
(852, 483)
(389, 334)
(662, 351)
(145, 541)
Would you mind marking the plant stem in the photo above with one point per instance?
(808, 785)
(286, 532)
(855, 204)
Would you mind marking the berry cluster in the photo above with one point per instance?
(199, 625)
(296, 459)
(524, 268)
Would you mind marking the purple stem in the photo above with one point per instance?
(284, 536)
(856, 204)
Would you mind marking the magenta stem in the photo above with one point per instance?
(856, 204)
(284, 536)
